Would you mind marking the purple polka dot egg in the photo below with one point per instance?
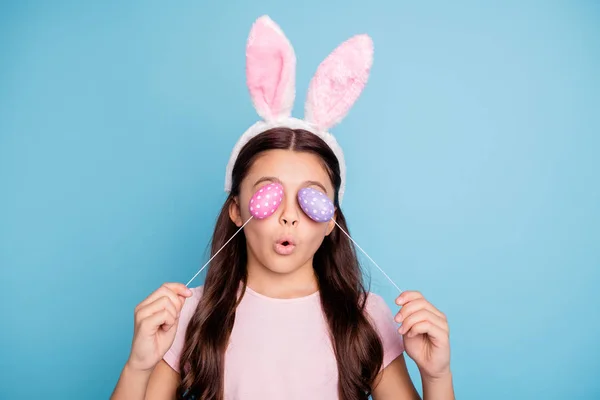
(266, 200)
(315, 204)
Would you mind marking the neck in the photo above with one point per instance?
(298, 283)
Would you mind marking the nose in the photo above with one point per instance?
(290, 213)
(289, 221)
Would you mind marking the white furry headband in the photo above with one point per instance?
(333, 90)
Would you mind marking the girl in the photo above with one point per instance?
(283, 312)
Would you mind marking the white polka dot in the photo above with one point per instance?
(269, 188)
(268, 196)
(260, 190)
(251, 208)
(315, 199)
(322, 212)
(323, 200)
(258, 206)
(305, 201)
(265, 213)
(251, 201)
(315, 211)
(259, 196)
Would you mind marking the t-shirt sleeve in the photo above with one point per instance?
(172, 355)
(387, 328)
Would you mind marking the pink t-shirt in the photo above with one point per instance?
(280, 349)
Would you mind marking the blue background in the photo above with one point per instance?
(483, 120)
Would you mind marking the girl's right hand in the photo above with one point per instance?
(156, 319)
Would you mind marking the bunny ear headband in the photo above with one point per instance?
(271, 80)
(335, 87)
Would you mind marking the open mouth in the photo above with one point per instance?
(284, 247)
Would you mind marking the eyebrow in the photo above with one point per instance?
(277, 180)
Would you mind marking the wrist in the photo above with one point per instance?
(442, 376)
(133, 370)
(438, 386)
(132, 383)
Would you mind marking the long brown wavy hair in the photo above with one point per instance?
(358, 349)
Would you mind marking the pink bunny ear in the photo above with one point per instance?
(339, 81)
(270, 70)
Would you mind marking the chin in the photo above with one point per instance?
(283, 264)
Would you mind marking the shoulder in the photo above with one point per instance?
(189, 307)
(377, 308)
(198, 290)
(382, 320)
(197, 293)
(374, 300)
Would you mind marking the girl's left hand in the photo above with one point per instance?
(426, 334)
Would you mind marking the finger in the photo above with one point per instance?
(437, 335)
(416, 305)
(164, 303)
(408, 295)
(179, 288)
(159, 293)
(421, 316)
(173, 290)
(174, 287)
(154, 322)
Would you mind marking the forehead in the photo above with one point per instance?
(290, 167)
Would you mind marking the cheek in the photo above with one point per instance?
(260, 232)
(244, 212)
(314, 233)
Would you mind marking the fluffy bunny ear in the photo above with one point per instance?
(270, 70)
(338, 82)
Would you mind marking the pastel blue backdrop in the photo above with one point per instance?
(473, 174)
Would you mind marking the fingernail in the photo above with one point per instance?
(189, 292)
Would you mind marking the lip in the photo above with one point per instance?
(284, 250)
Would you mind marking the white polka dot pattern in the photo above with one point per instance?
(316, 204)
(266, 200)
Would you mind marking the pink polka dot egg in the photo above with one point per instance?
(315, 204)
(266, 200)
